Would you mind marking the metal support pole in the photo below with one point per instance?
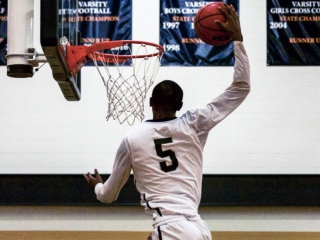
(20, 38)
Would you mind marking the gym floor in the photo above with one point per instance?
(79, 235)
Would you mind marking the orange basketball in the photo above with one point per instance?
(206, 28)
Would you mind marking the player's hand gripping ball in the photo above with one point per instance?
(207, 29)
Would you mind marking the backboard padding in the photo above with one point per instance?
(54, 51)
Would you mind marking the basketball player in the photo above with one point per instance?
(165, 153)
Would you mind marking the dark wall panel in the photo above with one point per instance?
(218, 190)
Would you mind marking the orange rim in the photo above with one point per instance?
(93, 50)
(77, 56)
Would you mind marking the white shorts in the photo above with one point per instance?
(180, 228)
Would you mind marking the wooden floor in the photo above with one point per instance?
(78, 235)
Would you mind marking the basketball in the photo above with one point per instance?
(207, 29)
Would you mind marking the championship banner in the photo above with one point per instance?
(3, 31)
(293, 33)
(100, 21)
(179, 39)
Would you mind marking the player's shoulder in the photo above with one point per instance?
(137, 127)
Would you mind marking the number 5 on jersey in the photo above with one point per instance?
(169, 153)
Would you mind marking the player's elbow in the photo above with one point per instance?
(106, 197)
(106, 200)
(243, 86)
(248, 87)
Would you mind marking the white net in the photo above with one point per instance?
(127, 80)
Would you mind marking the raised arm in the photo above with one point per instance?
(241, 77)
(224, 104)
(235, 94)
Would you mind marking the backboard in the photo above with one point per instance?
(59, 26)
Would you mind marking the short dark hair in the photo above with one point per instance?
(167, 93)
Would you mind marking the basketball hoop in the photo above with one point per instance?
(127, 68)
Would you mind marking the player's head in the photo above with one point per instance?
(167, 95)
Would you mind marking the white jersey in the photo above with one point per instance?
(166, 156)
